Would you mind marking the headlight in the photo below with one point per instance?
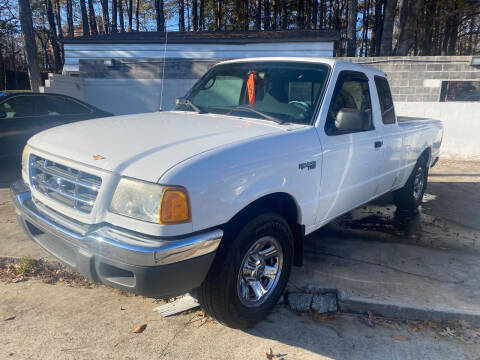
(151, 202)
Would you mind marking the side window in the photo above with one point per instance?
(59, 105)
(19, 106)
(351, 92)
(385, 98)
(220, 91)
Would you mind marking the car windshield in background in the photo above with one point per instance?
(278, 91)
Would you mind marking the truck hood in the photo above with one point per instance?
(144, 146)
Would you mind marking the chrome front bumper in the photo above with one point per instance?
(135, 262)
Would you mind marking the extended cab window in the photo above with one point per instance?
(282, 91)
(351, 93)
(385, 98)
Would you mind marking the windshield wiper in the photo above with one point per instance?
(187, 102)
(265, 116)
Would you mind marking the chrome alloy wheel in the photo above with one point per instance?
(418, 184)
(260, 271)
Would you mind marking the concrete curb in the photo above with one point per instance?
(303, 301)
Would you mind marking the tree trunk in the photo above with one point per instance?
(352, 28)
(130, 15)
(266, 15)
(408, 29)
(53, 35)
(201, 19)
(30, 45)
(115, 16)
(387, 32)
(159, 10)
(453, 33)
(195, 15)
(284, 4)
(58, 18)
(120, 14)
(105, 16)
(314, 18)
(71, 32)
(181, 15)
(300, 14)
(218, 15)
(91, 18)
(376, 37)
(137, 15)
(83, 8)
(258, 16)
(428, 38)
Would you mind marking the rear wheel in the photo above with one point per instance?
(249, 273)
(410, 196)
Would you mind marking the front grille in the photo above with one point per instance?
(64, 184)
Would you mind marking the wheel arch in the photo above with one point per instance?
(281, 203)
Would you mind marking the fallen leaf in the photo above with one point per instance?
(140, 328)
(10, 318)
(399, 337)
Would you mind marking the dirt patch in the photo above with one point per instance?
(17, 270)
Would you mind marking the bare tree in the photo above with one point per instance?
(201, 19)
(258, 15)
(105, 16)
(301, 14)
(120, 14)
(266, 15)
(130, 15)
(408, 26)
(181, 15)
(387, 32)
(30, 46)
(91, 18)
(284, 14)
(195, 15)
(53, 35)
(314, 19)
(218, 15)
(137, 15)
(83, 9)
(352, 27)
(70, 31)
(160, 15)
(115, 16)
(58, 18)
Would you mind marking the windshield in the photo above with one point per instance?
(279, 91)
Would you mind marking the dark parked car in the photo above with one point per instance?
(25, 114)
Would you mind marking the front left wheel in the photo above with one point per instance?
(249, 273)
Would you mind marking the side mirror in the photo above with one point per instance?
(350, 120)
(3, 114)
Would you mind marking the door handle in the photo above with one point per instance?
(378, 144)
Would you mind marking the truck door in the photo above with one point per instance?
(350, 158)
(391, 137)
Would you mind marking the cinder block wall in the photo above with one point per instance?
(419, 78)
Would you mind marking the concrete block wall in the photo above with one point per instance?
(419, 78)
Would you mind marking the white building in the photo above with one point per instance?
(122, 73)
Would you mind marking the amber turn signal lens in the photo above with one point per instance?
(175, 206)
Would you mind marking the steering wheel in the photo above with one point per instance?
(302, 105)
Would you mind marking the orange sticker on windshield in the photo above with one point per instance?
(251, 88)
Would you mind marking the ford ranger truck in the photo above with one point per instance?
(217, 195)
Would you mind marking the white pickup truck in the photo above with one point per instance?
(217, 195)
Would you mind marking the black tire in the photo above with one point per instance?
(219, 294)
(409, 197)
